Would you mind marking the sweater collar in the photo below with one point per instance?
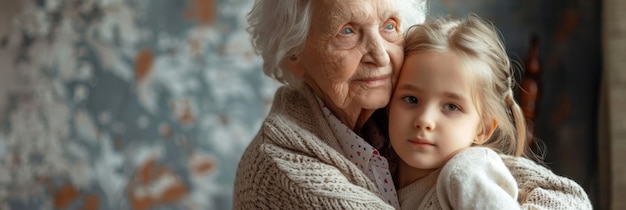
(296, 122)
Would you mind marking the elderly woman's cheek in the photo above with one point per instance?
(396, 55)
(344, 42)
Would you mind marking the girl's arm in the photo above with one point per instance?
(476, 178)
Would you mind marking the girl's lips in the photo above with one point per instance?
(421, 142)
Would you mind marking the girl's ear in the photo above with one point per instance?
(486, 132)
(294, 66)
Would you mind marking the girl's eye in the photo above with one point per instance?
(451, 107)
(410, 99)
(347, 31)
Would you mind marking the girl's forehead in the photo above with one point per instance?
(440, 71)
(447, 62)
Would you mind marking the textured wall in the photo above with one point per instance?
(137, 104)
(125, 104)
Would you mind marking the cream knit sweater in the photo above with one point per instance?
(475, 178)
(294, 163)
(451, 187)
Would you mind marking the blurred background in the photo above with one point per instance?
(148, 104)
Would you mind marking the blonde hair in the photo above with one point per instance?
(478, 43)
(279, 28)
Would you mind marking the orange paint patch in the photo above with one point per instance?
(91, 202)
(140, 204)
(153, 185)
(205, 167)
(187, 117)
(173, 194)
(143, 64)
(65, 196)
(202, 11)
(183, 112)
(147, 171)
(202, 164)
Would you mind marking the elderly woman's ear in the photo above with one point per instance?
(294, 66)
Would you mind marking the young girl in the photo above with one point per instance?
(452, 112)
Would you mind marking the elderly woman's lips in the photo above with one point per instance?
(376, 81)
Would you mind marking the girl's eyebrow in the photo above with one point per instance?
(454, 96)
(447, 94)
(409, 87)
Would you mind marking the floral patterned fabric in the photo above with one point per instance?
(364, 156)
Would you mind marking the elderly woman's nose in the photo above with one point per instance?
(376, 50)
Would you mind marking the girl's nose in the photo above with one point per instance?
(425, 120)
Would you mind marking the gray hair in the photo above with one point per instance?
(279, 28)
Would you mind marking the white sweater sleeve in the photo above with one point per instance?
(476, 178)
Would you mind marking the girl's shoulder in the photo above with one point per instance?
(476, 152)
(474, 161)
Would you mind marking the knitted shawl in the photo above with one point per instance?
(540, 188)
(294, 162)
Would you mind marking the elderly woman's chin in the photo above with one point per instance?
(374, 96)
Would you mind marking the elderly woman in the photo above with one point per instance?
(338, 60)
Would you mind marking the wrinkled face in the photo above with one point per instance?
(351, 53)
(431, 113)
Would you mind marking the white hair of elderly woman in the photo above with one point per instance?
(275, 42)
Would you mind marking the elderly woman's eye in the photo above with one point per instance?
(390, 27)
(347, 31)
